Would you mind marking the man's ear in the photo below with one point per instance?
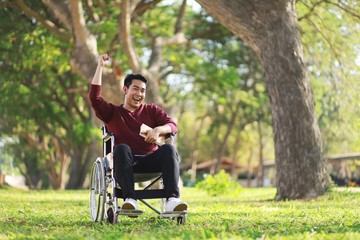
(124, 89)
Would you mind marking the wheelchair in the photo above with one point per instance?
(105, 192)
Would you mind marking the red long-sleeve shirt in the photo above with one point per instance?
(125, 125)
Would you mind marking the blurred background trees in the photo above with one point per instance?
(207, 78)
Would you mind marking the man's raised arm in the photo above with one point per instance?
(97, 79)
(103, 109)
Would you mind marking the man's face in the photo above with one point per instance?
(134, 94)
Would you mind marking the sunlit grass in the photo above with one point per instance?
(65, 215)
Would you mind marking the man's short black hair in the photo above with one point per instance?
(128, 79)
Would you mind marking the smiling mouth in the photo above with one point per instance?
(137, 100)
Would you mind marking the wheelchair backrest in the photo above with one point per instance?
(108, 140)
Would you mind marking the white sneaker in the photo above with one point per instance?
(175, 204)
(130, 204)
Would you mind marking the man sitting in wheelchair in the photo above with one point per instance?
(134, 153)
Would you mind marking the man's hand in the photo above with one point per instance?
(156, 135)
(103, 59)
(152, 135)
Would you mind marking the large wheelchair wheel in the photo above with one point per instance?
(98, 191)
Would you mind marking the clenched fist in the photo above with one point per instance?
(103, 59)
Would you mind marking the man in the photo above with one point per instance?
(124, 122)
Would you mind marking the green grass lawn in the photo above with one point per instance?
(253, 215)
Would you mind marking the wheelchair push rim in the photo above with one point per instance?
(97, 192)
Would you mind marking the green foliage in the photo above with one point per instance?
(330, 34)
(252, 215)
(220, 184)
(224, 77)
(41, 99)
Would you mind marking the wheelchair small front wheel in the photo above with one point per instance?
(111, 215)
(181, 219)
(97, 191)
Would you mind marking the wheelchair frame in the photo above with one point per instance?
(104, 203)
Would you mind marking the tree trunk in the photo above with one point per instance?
(249, 168)
(220, 153)
(270, 28)
(260, 173)
(236, 147)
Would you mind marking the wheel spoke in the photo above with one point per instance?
(97, 192)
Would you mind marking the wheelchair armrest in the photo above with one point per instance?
(107, 137)
(106, 134)
(170, 138)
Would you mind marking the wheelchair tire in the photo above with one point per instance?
(97, 191)
(111, 215)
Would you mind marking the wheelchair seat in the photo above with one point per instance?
(105, 191)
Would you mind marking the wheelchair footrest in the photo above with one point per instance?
(130, 213)
(173, 214)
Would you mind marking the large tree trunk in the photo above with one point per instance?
(270, 28)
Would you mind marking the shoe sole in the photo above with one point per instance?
(180, 207)
(128, 206)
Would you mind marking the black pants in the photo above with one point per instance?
(164, 160)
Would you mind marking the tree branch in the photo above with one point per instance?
(7, 4)
(159, 42)
(61, 11)
(178, 38)
(90, 6)
(145, 29)
(125, 36)
(83, 38)
(84, 59)
(142, 7)
(328, 41)
(180, 19)
(311, 8)
(47, 23)
(345, 8)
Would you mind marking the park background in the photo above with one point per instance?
(220, 88)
